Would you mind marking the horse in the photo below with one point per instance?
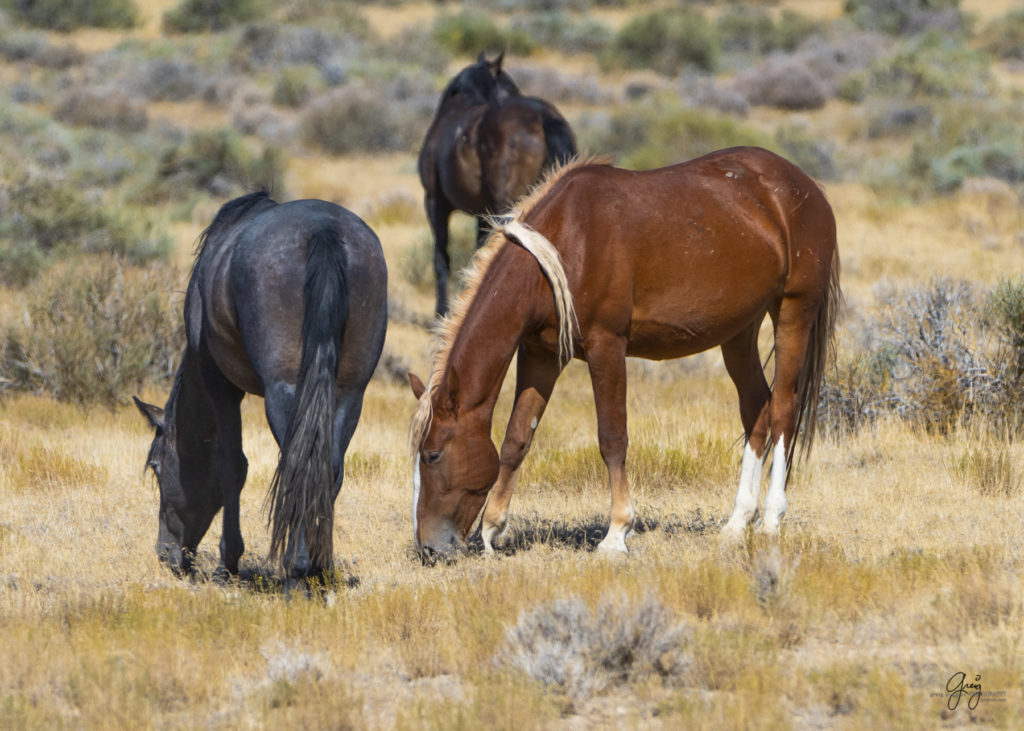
(287, 301)
(486, 146)
(600, 263)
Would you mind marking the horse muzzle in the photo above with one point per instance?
(440, 548)
(176, 558)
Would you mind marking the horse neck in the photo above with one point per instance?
(191, 411)
(498, 317)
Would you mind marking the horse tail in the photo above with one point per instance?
(551, 264)
(820, 347)
(301, 494)
(560, 141)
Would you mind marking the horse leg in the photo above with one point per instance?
(606, 358)
(346, 416)
(231, 465)
(792, 335)
(743, 363)
(438, 213)
(536, 373)
(279, 401)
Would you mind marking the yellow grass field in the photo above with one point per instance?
(893, 575)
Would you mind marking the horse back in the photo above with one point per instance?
(252, 303)
(684, 254)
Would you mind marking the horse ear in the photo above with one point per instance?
(154, 414)
(481, 58)
(451, 402)
(496, 64)
(417, 385)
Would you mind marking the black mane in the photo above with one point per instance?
(231, 213)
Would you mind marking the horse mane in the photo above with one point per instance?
(505, 228)
(231, 213)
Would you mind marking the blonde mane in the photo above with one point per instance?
(505, 228)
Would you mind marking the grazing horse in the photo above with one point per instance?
(286, 301)
(485, 148)
(606, 263)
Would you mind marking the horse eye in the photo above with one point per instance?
(431, 458)
(155, 466)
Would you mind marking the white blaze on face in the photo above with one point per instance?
(415, 502)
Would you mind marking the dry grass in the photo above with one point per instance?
(899, 563)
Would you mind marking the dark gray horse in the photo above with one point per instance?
(485, 148)
(289, 302)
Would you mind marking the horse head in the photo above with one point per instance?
(456, 464)
(484, 82)
(184, 515)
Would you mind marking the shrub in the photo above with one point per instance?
(996, 159)
(665, 41)
(60, 220)
(95, 332)
(902, 17)
(940, 357)
(563, 644)
(68, 15)
(169, 79)
(785, 83)
(216, 161)
(198, 16)
(556, 29)
(357, 118)
(102, 108)
(418, 261)
(746, 29)
(650, 134)
(471, 32)
(934, 65)
(1004, 36)
(808, 151)
(296, 85)
(34, 47)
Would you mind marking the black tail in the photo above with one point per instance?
(302, 493)
(561, 142)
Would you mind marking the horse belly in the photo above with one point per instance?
(694, 316)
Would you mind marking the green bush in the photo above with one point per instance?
(1004, 36)
(471, 32)
(557, 29)
(898, 17)
(96, 331)
(53, 220)
(666, 41)
(1004, 160)
(356, 118)
(296, 85)
(746, 29)
(101, 108)
(219, 162)
(417, 264)
(659, 131)
(933, 65)
(201, 16)
(68, 15)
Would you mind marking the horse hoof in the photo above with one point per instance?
(614, 549)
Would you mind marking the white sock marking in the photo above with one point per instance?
(746, 493)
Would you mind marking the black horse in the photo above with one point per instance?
(486, 146)
(289, 302)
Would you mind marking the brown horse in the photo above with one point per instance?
(484, 149)
(657, 264)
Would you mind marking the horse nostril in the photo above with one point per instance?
(428, 556)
